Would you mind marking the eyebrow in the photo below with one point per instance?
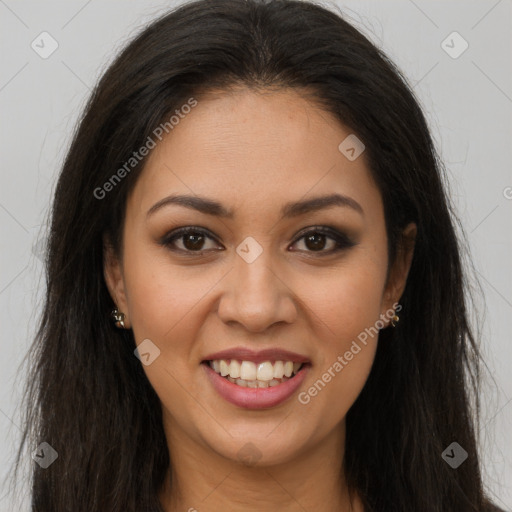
(289, 210)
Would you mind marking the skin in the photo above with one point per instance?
(253, 152)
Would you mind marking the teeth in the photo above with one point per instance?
(224, 368)
(265, 371)
(234, 369)
(278, 370)
(262, 375)
(256, 383)
(247, 370)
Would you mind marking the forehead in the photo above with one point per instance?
(253, 149)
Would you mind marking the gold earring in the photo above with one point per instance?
(395, 320)
(118, 318)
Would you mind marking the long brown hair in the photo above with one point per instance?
(88, 396)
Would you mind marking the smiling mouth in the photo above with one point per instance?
(251, 375)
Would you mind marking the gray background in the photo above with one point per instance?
(468, 101)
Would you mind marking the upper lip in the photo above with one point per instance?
(260, 356)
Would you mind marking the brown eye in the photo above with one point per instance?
(315, 241)
(191, 240)
(325, 241)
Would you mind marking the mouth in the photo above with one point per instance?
(248, 374)
(255, 385)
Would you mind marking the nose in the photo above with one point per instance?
(256, 296)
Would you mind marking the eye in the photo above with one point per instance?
(191, 239)
(315, 240)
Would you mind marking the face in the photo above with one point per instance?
(269, 281)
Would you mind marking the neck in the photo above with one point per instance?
(204, 480)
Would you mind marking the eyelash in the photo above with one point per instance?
(342, 240)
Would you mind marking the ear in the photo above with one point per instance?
(397, 278)
(113, 273)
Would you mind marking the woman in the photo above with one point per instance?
(255, 296)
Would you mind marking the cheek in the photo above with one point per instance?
(347, 308)
(163, 303)
(163, 300)
(344, 301)
(161, 296)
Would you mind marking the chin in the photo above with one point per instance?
(261, 446)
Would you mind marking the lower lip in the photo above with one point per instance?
(255, 398)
